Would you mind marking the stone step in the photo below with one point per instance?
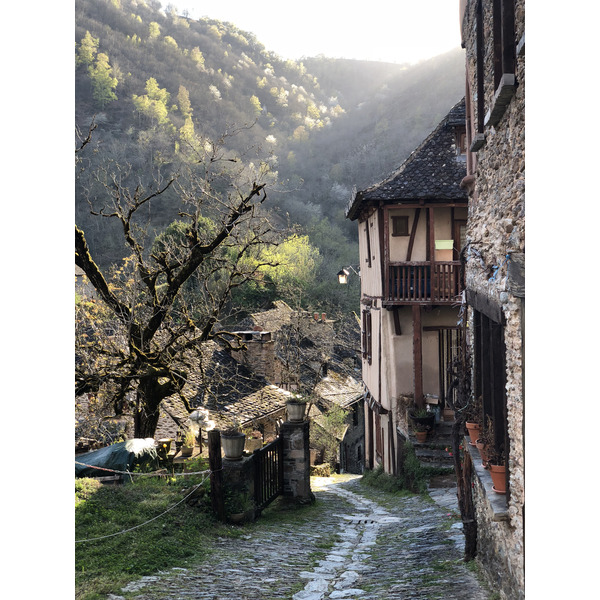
(435, 451)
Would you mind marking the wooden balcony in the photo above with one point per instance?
(422, 283)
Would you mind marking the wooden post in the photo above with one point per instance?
(464, 481)
(216, 474)
(418, 356)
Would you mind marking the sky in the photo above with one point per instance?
(382, 30)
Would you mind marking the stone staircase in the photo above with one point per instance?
(432, 453)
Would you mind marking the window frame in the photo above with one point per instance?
(490, 378)
(368, 239)
(367, 336)
(400, 225)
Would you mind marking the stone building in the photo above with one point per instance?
(493, 35)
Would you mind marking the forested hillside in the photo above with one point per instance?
(158, 84)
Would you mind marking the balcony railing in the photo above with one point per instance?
(423, 283)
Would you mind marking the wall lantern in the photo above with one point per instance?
(345, 273)
(343, 276)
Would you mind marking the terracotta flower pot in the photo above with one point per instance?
(498, 473)
(474, 430)
(482, 452)
(421, 436)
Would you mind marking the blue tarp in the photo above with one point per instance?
(123, 456)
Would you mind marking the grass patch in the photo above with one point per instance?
(105, 562)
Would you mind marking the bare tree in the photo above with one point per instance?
(169, 294)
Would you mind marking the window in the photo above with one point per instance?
(504, 39)
(460, 236)
(399, 226)
(460, 143)
(368, 259)
(490, 377)
(367, 341)
(503, 57)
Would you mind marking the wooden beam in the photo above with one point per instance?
(385, 244)
(418, 357)
(413, 233)
(431, 238)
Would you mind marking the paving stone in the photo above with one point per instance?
(353, 593)
(401, 550)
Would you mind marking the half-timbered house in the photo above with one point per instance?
(411, 229)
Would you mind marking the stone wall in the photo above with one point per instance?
(238, 475)
(495, 237)
(296, 461)
(498, 547)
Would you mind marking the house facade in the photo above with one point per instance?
(442, 251)
(493, 35)
(411, 229)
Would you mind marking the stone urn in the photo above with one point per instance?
(295, 411)
(233, 445)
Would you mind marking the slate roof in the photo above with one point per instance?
(431, 172)
(270, 400)
(339, 389)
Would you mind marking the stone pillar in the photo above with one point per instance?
(296, 461)
(238, 486)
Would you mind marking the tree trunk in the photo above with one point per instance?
(464, 481)
(146, 411)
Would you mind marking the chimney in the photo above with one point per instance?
(260, 354)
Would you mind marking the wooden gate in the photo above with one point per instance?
(268, 473)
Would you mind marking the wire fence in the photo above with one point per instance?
(162, 473)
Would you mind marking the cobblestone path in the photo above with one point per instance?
(357, 544)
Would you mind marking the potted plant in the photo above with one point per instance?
(189, 441)
(296, 407)
(497, 467)
(163, 448)
(420, 432)
(485, 441)
(421, 416)
(473, 420)
(232, 442)
(253, 440)
(239, 506)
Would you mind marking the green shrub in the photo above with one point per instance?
(412, 477)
